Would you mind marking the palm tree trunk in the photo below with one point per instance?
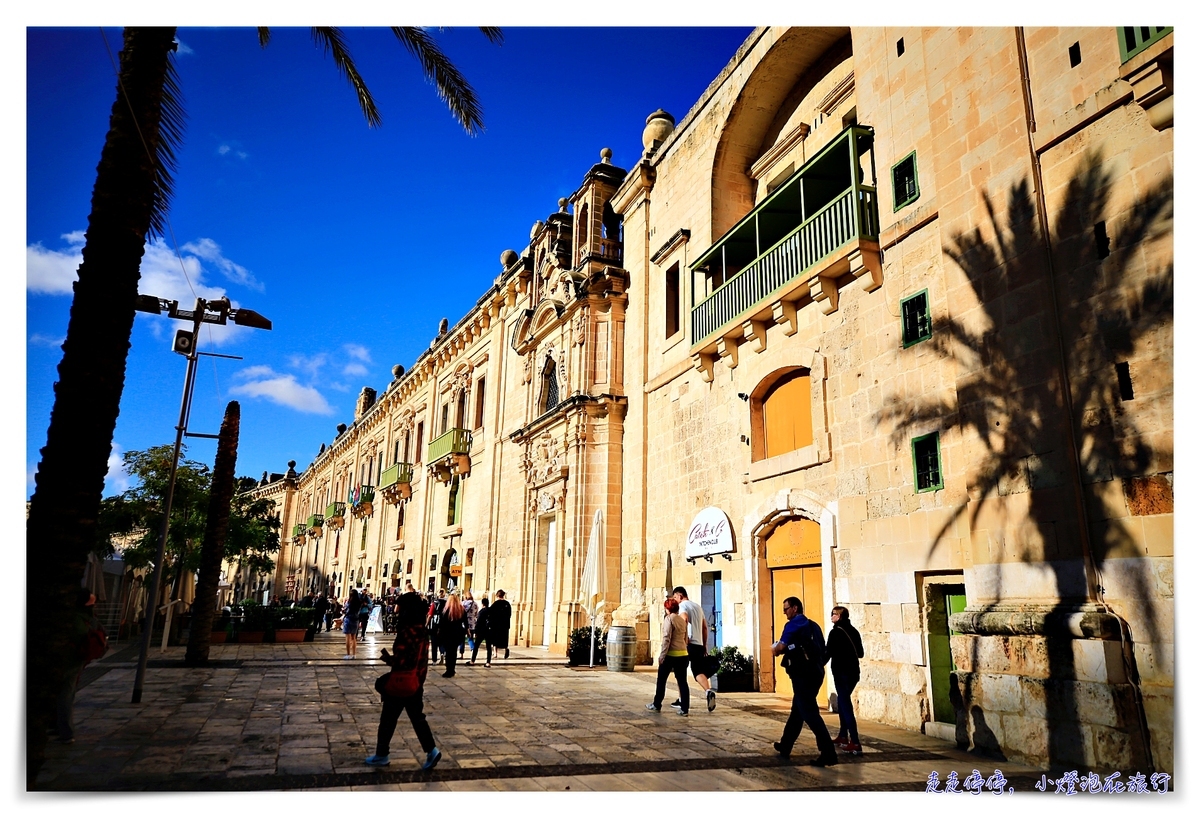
(61, 529)
(212, 548)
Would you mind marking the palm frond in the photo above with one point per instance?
(170, 137)
(264, 36)
(331, 40)
(451, 85)
(494, 34)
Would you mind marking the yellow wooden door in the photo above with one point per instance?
(805, 585)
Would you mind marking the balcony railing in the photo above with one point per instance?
(455, 441)
(822, 208)
(396, 473)
(298, 530)
(315, 520)
(1136, 39)
(364, 494)
(336, 509)
(605, 250)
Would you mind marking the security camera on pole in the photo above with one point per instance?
(219, 311)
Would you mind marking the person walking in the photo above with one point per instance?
(452, 631)
(350, 622)
(845, 649)
(498, 624)
(334, 612)
(697, 647)
(481, 632)
(436, 605)
(86, 640)
(803, 647)
(672, 657)
(364, 614)
(320, 610)
(410, 653)
(472, 612)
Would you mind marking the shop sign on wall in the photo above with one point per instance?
(710, 533)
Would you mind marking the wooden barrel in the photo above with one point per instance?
(620, 647)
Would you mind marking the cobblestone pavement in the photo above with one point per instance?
(299, 717)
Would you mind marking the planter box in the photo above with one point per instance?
(250, 637)
(290, 634)
(217, 638)
(735, 682)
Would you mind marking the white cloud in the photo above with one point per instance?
(225, 149)
(208, 250)
(354, 370)
(309, 366)
(37, 339)
(358, 352)
(53, 271)
(263, 382)
(117, 480)
(182, 48)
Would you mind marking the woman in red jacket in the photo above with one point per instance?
(410, 651)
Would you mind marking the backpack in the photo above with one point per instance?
(806, 655)
(94, 645)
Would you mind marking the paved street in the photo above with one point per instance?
(299, 717)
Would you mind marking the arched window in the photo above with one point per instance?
(583, 228)
(781, 414)
(460, 410)
(549, 385)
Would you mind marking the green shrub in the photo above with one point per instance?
(257, 618)
(293, 618)
(732, 661)
(579, 647)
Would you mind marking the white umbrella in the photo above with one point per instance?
(593, 587)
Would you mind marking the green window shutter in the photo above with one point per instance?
(927, 463)
(905, 188)
(915, 320)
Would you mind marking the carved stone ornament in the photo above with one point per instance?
(528, 374)
(405, 423)
(546, 502)
(545, 462)
(581, 322)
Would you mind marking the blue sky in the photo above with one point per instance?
(354, 241)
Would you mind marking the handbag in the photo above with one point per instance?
(402, 684)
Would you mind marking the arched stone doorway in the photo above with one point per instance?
(792, 538)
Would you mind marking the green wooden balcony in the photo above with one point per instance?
(397, 473)
(817, 216)
(315, 521)
(366, 494)
(455, 441)
(335, 509)
(1133, 40)
(299, 530)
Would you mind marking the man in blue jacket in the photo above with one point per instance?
(803, 647)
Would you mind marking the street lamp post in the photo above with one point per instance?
(219, 311)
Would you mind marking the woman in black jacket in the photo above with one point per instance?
(845, 649)
(481, 631)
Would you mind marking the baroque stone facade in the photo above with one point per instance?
(898, 302)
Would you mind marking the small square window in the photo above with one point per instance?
(905, 190)
(900, 47)
(927, 463)
(1074, 55)
(916, 325)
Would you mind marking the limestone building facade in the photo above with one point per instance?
(884, 321)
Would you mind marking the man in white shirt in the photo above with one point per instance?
(697, 643)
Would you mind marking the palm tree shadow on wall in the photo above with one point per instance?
(1010, 383)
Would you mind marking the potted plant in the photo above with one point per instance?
(220, 629)
(291, 624)
(579, 648)
(735, 671)
(256, 619)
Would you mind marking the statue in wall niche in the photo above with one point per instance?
(528, 375)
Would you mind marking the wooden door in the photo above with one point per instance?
(804, 583)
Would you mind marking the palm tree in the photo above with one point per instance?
(216, 526)
(129, 203)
